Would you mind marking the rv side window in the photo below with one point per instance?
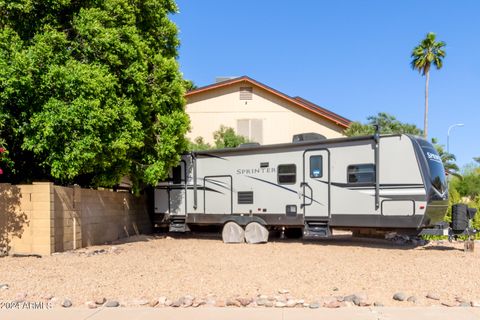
(316, 163)
(287, 174)
(177, 175)
(361, 173)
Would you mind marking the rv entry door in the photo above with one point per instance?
(316, 183)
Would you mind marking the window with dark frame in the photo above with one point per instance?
(361, 173)
(287, 174)
(316, 166)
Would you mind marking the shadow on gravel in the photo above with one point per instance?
(441, 248)
(214, 233)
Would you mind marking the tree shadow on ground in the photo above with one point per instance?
(12, 218)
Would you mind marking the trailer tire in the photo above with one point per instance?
(256, 233)
(233, 233)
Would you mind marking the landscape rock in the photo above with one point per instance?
(348, 304)
(140, 302)
(54, 301)
(198, 302)
(162, 301)
(269, 304)
(233, 303)
(333, 304)
(91, 304)
(187, 302)
(400, 296)
(378, 304)
(168, 303)
(475, 303)
(291, 303)
(177, 303)
(66, 303)
(47, 296)
(306, 305)
(153, 303)
(460, 299)
(314, 305)
(465, 304)
(359, 299)
(283, 291)
(20, 296)
(100, 300)
(244, 301)
(111, 304)
(280, 304)
(220, 303)
(433, 296)
(412, 299)
(261, 302)
(450, 303)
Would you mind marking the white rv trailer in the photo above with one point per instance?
(388, 182)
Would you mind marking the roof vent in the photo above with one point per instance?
(309, 136)
(224, 78)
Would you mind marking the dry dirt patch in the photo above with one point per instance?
(158, 266)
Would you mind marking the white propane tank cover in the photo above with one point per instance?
(256, 233)
(233, 233)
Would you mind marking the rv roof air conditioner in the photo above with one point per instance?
(309, 136)
(249, 145)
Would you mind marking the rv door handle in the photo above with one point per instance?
(304, 184)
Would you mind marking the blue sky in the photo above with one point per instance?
(351, 57)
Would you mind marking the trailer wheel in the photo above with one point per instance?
(256, 233)
(233, 233)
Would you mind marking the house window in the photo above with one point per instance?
(287, 174)
(316, 166)
(246, 93)
(361, 173)
(252, 129)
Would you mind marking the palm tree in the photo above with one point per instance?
(427, 52)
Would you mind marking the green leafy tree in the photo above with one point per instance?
(90, 91)
(469, 184)
(448, 159)
(226, 137)
(199, 144)
(428, 52)
(388, 125)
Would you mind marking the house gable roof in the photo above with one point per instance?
(297, 101)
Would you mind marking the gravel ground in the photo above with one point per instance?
(154, 266)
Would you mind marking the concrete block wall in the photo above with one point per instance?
(43, 218)
(26, 214)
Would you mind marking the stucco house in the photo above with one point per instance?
(258, 112)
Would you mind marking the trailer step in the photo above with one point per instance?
(314, 229)
(178, 225)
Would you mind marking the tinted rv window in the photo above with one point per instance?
(435, 165)
(361, 173)
(287, 174)
(316, 167)
(177, 175)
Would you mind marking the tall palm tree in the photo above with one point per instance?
(428, 52)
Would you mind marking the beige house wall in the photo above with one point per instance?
(42, 218)
(282, 119)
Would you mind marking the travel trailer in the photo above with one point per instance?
(308, 187)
